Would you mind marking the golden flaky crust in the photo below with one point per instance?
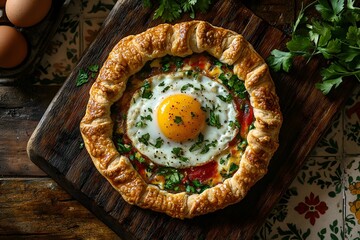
(183, 39)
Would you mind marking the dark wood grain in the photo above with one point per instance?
(55, 212)
(21, 107)
(306, 114)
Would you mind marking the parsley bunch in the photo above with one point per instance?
(169, 10)
(335, 35)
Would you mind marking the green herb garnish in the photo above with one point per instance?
(146, 90)
(159, 142)
(232, 82)
(185, 87)
(169, 10)
(214, 119)
(141, 124)
(335, 36)
(226, 99)
(172, 177)
(178, 120)
(165, 89)
(83, 76)
(198, 144)
(121, 147)
(179, 153)
(207, 146)
(145, 139)
(235, 123)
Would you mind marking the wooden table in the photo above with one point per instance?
(33, 203)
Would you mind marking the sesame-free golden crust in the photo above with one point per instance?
(183, 39)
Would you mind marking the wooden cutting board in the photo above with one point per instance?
(55, 144)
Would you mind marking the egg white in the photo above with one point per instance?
(142, 120)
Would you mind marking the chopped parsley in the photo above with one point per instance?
(214, 119)
(83, 76)
(159, 142)
(165, 89)
(165, 67)
(145, 139)
(225, 160)
(232, 169)
(172, 177)
(137, 156)
(207, 146)
(178, 62)
(94, 68)
(234, 124)
(146, 90)
(178, 120)
(189, 72)
(141, 124)
(218, 63)
(226, 99)
(121, 147)
(147, 117)
(232, 82)
(242, 145)
(196, 187)
(202, 144)
(198, 144)
(179, 153)
(185, 87)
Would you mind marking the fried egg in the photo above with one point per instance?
(181, 120)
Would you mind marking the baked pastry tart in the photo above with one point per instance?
(182, 119)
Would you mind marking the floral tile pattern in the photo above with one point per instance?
(352, 125)
(97, 8)
(62, 53)
(323, 202)
(312, 206)
(352, 197)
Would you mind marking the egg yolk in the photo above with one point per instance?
(180, 117)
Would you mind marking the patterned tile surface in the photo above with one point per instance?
(323, 202)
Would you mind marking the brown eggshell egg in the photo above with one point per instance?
(13, 47)
(26, 13)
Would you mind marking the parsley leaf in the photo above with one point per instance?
(334, 35)
(214, 119)
(280, 60)
(121, 147)
(179, 153)
(146, 91)
(178, 120)
(169, 10)
(159, 142)
(226, 99)
(140, 124)
(93, 68)
(145, 139)
(172, 177)
(185, 87)
(82, 78)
